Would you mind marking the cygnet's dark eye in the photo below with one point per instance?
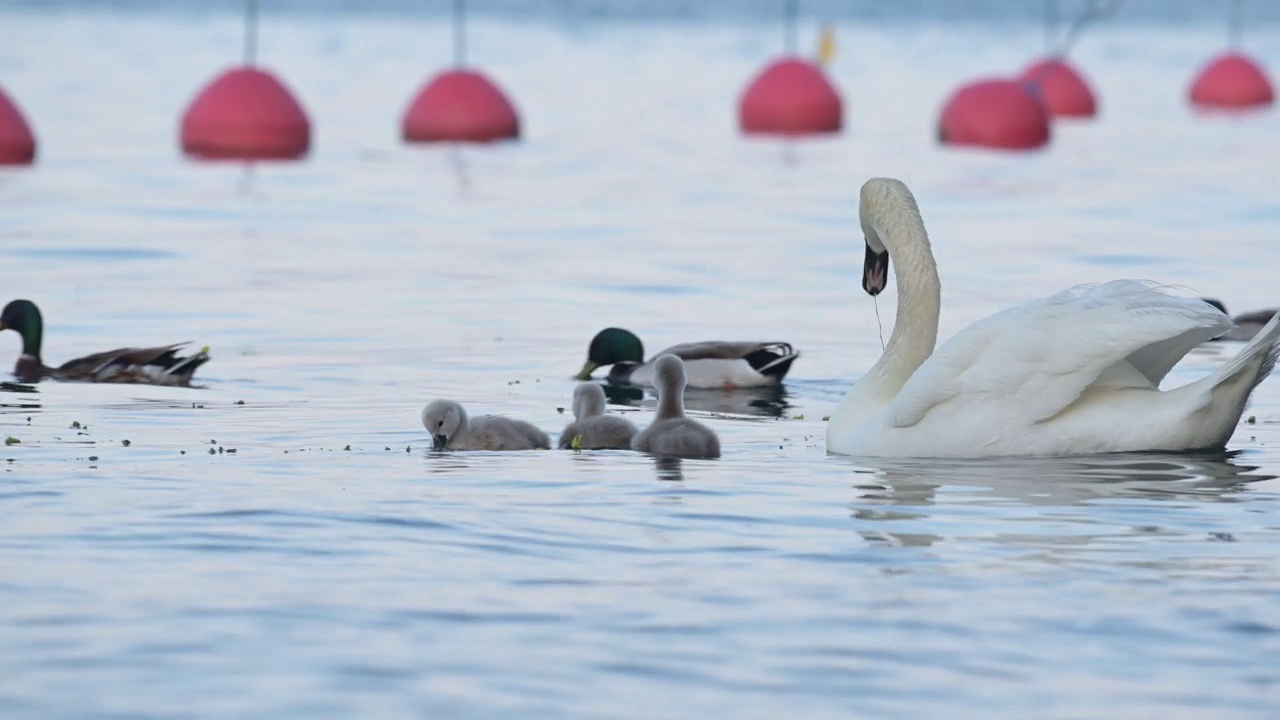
(440, 424)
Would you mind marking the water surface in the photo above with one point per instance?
(281, 542)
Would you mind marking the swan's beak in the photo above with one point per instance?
(439, 442)
(588, 368)
(875, 271)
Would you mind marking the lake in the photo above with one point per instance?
(281, 542)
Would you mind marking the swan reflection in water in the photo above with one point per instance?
(893, 494)
(765, 401)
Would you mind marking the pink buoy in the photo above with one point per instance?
(17, 144)
(460, 105)
(246, 113)
(1062, 88)
(1232, 81)
(995, 114)
(790, 97)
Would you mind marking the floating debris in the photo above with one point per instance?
(1253, 419)
(239, 402)
(347, 448)
(826, 418)
(125, 443)
(11, 440)
(75, 424)
(798, 417)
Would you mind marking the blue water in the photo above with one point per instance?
(281, 542)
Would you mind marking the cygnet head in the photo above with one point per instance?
(444, 419)
(588, 401)
(883, 202)
(668, 375)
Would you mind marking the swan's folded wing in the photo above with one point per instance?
(1035, 360)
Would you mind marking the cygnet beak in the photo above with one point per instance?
(439, 442)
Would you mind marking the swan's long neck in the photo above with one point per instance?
(915, 330)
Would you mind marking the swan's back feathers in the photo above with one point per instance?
(1035, 360)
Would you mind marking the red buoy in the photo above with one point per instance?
(1232, 81)
(460, 105)
(995, 114)
(1062, 88)
(17, 144)
(790, 97)
(246, 113)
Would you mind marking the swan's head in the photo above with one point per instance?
(588, 401)
(883, 204)
(609, 346)
(444, 419)
(668, 374)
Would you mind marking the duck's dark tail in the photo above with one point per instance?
(772, 360)
(181, 369)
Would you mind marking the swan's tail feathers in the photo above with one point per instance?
(773, 360)
(1229, 387)
(1254, 363)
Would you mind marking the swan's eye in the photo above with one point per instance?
(440, 424)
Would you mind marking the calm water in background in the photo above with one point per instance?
(330, 566)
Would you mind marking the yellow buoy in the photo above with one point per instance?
(826, 45)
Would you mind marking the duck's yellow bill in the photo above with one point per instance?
(587, 369)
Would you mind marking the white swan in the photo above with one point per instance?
(1073, 373)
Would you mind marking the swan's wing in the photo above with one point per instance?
(1036, 359)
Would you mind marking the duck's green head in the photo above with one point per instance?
(609, 346)
(23, 317)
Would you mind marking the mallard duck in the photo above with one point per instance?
(592, 429)
(671, 434)
(451, 429)
(707, 364)
(1247, 325)
(152, 366)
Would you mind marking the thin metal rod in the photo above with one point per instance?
(1050, 22)
(250, 32)
(1236, 29)
(792, 30)
(459, 32)
(1095, 10)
